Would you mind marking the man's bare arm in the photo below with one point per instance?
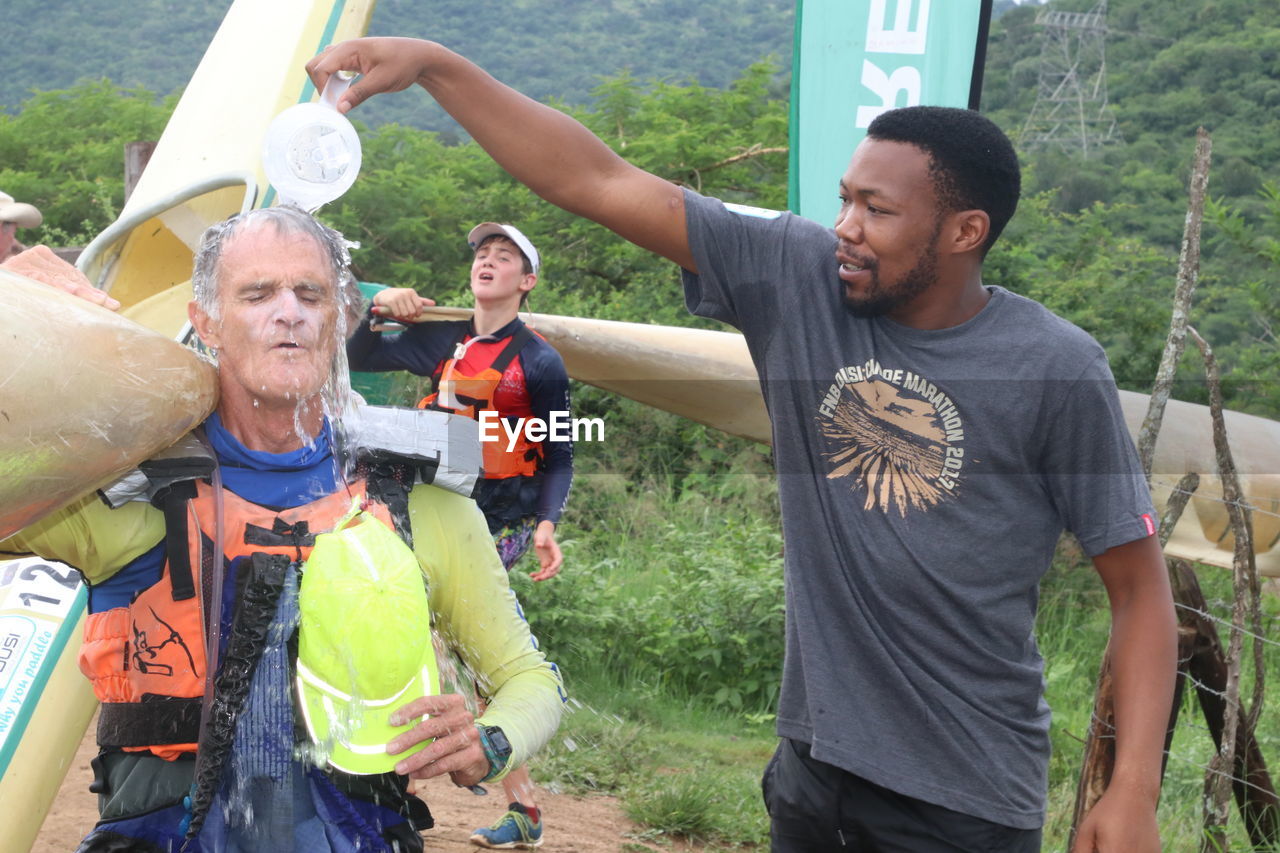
(1143, 665)
(551, 153)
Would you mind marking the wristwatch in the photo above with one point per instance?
(496, 748)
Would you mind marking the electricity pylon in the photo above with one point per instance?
(1071, 110)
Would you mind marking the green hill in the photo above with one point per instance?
(1172, 65)
(551, 48)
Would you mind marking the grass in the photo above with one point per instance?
(681, 770)
(685, 769)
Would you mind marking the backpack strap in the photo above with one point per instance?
(389, 482)
(442, 448)
(187, 459)
(156, 719)
(522, 336)
(457, 341)
(172, 500)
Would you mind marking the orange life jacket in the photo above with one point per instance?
(471, 394)
(146, 660)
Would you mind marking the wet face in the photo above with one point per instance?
(276, 329)
(888, 228)
(497, 272)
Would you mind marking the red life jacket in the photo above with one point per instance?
(146, 660)
(471, 394)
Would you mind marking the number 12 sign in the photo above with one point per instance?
(40, 604)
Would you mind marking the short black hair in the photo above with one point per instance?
(972, 162)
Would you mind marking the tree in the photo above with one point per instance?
(417, 197)
(1246, 315)
(64, 153)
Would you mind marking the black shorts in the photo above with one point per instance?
(814, 806)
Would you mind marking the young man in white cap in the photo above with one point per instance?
(15, 215)
(492, 364)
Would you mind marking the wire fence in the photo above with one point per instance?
(1074, 631)
(1198, 495)
(1193, 748)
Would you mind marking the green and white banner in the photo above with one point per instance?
(854, 59)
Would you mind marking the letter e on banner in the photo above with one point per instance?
(855, 59)
(887, 86)
(903, 37)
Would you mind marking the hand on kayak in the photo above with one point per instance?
(39, 263)
(402, 304)
(385, 65)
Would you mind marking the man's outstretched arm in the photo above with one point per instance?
(551, 153)
(1143, 665)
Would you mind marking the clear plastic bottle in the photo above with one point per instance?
(311, 152)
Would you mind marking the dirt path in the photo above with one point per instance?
(592, 824)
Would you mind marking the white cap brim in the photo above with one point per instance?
(512, 233)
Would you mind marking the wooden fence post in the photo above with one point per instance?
(136, 156)
(1207, 668)
(1099, 751)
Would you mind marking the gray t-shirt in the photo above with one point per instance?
(924, 477)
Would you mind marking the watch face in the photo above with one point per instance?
(498, 741)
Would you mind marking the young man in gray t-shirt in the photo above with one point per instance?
(933, 436)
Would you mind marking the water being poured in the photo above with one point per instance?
(343, 719)
(244, 768)
(303, 434)
(455, 676)
(337, 397)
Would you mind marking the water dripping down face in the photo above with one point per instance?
(277, 328)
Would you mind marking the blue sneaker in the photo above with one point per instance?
(514, 831)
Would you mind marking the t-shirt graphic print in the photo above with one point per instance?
(894, 435)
